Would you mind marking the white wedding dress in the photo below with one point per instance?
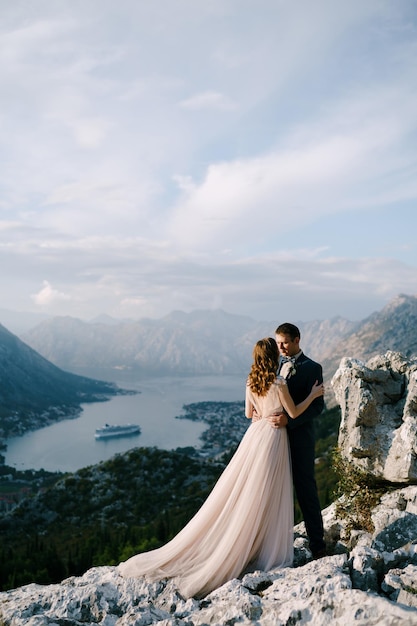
(245, 524)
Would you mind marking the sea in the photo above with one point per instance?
(69, 445)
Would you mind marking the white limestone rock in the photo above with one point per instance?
(318, 593)
(378, 400)
(400, 579)
(367, 566)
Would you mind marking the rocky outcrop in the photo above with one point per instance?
(320, 592)
(378, 430)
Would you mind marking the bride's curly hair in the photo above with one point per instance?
(264, 367)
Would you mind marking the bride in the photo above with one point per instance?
(246, 523)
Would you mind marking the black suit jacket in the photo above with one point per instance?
(299, 386)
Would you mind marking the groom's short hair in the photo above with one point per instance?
(288, 329)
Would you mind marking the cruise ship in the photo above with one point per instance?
(117, 430)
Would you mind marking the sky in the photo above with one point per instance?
(255, 156)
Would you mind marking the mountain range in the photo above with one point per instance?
(198, 343)
(215, 342)
(392, 328)
(40, 371)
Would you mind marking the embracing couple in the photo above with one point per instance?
(247, 521)
(300, 373)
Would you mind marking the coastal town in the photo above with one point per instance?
(226, 425)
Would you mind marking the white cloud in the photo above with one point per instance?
(48, 296)
(208, 100)
(339, 162)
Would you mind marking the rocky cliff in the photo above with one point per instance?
(378, 431)
(369, 577)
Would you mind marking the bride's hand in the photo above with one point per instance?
(317, 390)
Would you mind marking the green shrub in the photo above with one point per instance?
(358, 494)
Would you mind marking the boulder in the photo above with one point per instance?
(378, 430)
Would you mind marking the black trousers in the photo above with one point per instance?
(303, 466)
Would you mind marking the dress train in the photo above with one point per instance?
(245, 524)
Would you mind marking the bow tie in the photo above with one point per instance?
(288, 359)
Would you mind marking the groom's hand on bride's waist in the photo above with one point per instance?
(277, 420)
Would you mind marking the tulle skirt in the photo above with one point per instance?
(245, 524)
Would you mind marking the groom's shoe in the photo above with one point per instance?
(319, 554)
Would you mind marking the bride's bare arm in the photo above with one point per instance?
(288, 403)
(250, 411)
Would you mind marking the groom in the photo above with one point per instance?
(301, 373)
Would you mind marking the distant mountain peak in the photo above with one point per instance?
(108, 319)
(215, 342)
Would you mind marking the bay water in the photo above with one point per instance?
(70, 444)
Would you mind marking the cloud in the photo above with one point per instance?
(139, 278)
(48, 296)
(208, 100)
(175, 155)
(332, 164)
